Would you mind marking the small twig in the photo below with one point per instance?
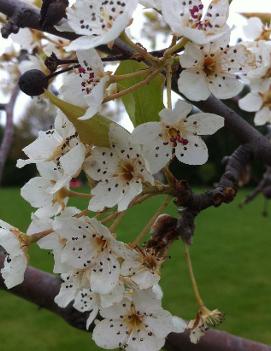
(8, 132)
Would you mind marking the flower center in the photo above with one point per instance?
(175, 135)
(126, 170)
(209, 65)
(106, 19)
(101, 242)
(134, 320)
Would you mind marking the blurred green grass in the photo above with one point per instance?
(231, 257)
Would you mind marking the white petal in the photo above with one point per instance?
(131, 191)
(145, 133)
(180, 111)
(114, 297)
(263, 116)
(91, 317)
(194, 86)
(254, 28)
(63, 126)
(66, 294)
(194, 153)
(14, 270)
(145, 279)
(43, 147)
(105, 274)
(101, 163)
(9, 242)
(85, 301)
(36, 192)
(157, 155)
(72, 161)
(192, 56)
(109, 335)
(105, 194)
(205, 123)
(251, 102)
(224, 88)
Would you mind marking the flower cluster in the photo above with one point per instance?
(259, 80)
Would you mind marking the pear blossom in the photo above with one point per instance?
(137, 323)
(259, 101)
(88, 301)
(72, 283)
(15, 262)
(120, 171)
(142, 265)
(98, 22)
(47, 192)
(85, 86)
(256, 30)
(90, 245)
(262, 51)
(177, 135)
(215, 69)
(53, 241)
(61, 145)
(204, 320)
(187, 19)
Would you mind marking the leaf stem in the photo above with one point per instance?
(116, 222)
(192, 276)
(148, 226)
(133, 88)
(120, 77)
(173, 49)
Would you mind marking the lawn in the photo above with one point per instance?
(232, 261)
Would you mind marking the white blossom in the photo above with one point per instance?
(91, 246)
(61, 145)
(15, 262)
(120, 172)
(47, 192)
(205, 319)
(85, 86)
(137, 323)
(142, 265)
(256, 30)
(259, 101)
(98, 22)
(177, 135)
(214, 68)
(262, 51)
(186, 18)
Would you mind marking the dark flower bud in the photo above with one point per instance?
(33, 82)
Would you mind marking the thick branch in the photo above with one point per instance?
(40, 288)
(25, 15)
(8, 132)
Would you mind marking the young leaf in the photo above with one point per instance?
(144, 104)
(92, 131)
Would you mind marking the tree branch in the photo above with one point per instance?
(40, 288)
(23, 15)
(8, 132)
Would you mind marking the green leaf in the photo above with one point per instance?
(144, 104)
(93, 131)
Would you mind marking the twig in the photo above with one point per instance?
(8, 132)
